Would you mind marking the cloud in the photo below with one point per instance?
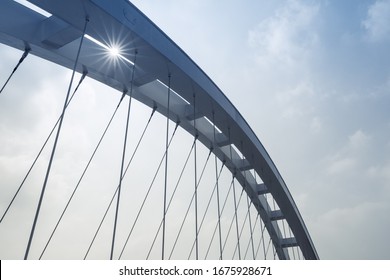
(377, 22)
(350, 156)
(298, 100)
(340, 165)
(381, 173)
(358, 139)
(282, 46)
(316, 125)
(288, 34)
(355, 232)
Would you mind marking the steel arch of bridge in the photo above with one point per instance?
(159, 63)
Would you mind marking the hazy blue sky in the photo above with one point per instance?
(312, 78)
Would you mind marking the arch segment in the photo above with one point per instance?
(54, 32)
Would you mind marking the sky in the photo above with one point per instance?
(312, 79)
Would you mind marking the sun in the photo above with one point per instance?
(114, 51)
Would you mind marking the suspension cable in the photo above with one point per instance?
(204, 214)
(189, 206)
(246, 218)
(216, 226)
(249, 205)
(250, 226)
(55, 145)
(261, 221)
(293, 249)
(273, 247)
(170, 200)
(249, 241)
(234, 218)
(234, 200)
(274, 250)
(284, 231)
(41, 150)
(172, 196)
(123, 158)
(217, 183)
(83, 173)
(120, 179)
(261, 240)
(181, 175)
(269, 242)
(146, 196)
(109, 205)
(166, 169)
(242, 229)
(24, 55)
(195, 186)
(140, 140)
(231, 222)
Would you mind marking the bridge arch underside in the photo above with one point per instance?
(161, 69)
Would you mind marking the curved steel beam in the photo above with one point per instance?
(54, 35)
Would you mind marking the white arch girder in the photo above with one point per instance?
(55, 37)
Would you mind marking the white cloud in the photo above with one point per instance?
(288, 34)
(358, 139)
(281, 46)
(297, 101)
(316, 125)
(341, 165)
(380, 173)
(377, 22)
(354, 232)
(349, 157)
